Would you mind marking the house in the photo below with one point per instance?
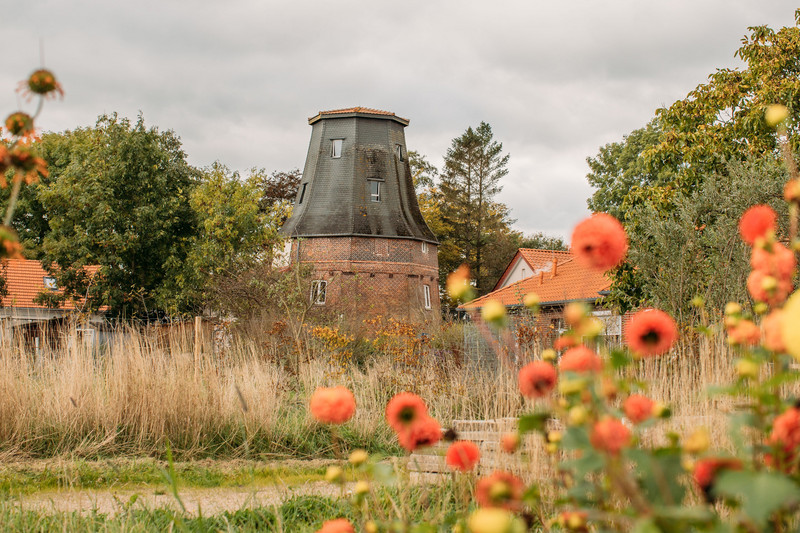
(25, 279)
(557, 278)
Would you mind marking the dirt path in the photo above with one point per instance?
(210, 501)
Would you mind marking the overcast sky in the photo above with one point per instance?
(237, 80)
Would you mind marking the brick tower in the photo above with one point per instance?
(357, 222)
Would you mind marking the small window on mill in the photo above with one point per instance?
(427, 290)
(318, 290)
(399, 150)
(375, 190)
(336, 148)
(302, 193)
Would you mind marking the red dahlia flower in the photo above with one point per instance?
(638, 408)
(580, 359)
(610, 435)
(424, 432)
(501, 489)
(600, 241)
(536, 379)
(340, 525)
(757, 222)
(706, 470)
(463, 455)
(333, 406)
(404, 410)
(650, 332)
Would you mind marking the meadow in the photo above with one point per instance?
(80, 418)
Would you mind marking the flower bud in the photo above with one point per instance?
(510, 442)
(577, 415)
(551, 447)
(776, 114)
(490, 520)
(571, 386)
(372, 527)
(733, 308)
(554, 436)
(531, 300)
(334, 474)
(494, 312)
(769, 283)
(661, 411)
(358, 457)
(747, 369)
(361, 488)
(760, 308)
(698, 302)
(574, 313)
(549, 355)
(697, 442)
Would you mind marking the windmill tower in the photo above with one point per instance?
(356, 220)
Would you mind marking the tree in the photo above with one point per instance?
(540, 241)
(276, 187)
(719, 123)
(118, 197)
(474, 166)
(236, 231)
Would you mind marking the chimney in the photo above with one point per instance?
(555, 266)
(541, 277)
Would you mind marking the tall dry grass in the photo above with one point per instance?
(143, 390)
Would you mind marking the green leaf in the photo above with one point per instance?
(645, 525)
(660, 474)
(620, 359)
(576, 438)
(589, 462)
(533, 422)
(760, 493)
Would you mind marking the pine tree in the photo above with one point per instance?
(473, 168)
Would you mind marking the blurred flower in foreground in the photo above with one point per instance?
(340, 525)
(42, 83)
(404, 410)
(501, 489)
(580, 359)
(494, 312)
(756, 222)
(536, 379)
(600, 241)
(458, 284)
(651, 332)
(463, 455)
(790, 333)
(10, 247)
(775, 114)
(333, 405)
(610, 435)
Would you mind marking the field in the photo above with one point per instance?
(86, 433)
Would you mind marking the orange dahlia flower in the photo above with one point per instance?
(580, 359)
(509, 442)
(638, 408)
(757, 222)
(425, 432)
(404, 410)
(334, 405)
(773, 337)
(536, 379)
(706, 470)
(786, 434)
(778, 260)
(745, 332)
(610, 435)
(650, 332)
(600, 241)
(462, 455)
(340, 525)
(764, 287)
(501, 489)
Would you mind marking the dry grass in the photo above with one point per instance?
(140, 392)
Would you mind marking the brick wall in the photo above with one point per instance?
(370, 276)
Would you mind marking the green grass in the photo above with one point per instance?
(27, 478)
(300, 514)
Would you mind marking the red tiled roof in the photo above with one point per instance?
(572, 281)
(363, 110)
(25, 280)
(536, 259)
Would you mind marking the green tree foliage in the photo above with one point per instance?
(473, 168)
(696, 250)
(117, 197)
(541, 241)
(236, 230)
(642, 179)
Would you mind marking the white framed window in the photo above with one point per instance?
(399, 151)
(50, 283)
(318, 289)
(424, 247)
(336, 148)
(375, 190)
(427, 290)
(302, 193)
